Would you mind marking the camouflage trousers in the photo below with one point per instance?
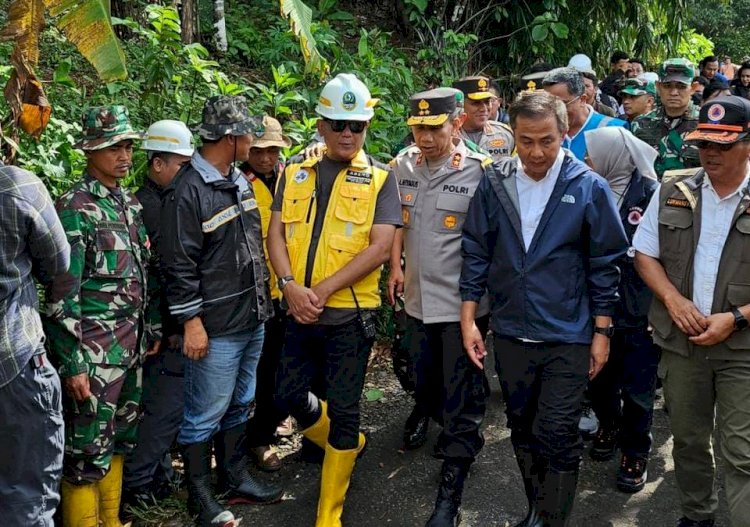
(103, 425)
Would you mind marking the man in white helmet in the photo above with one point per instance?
(148, 469)
(333, 221)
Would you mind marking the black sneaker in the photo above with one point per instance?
(604, 445)
(632, 475)
(687, 522)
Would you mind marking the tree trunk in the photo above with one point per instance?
(220, 26)
(188, 17)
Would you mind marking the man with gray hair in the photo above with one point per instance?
(568, 85)
(542, 235)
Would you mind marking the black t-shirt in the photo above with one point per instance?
(387, 212)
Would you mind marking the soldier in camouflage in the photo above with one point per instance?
(492, 137)
(665, 127)
(95, 320)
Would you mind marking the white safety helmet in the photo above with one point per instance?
(346, 98)
(169, 136)
(649, 76)
(582, 63)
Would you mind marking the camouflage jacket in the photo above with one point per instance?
(95, 311)
(667, 136)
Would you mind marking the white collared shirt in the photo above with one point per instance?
(716, 220)
(534, 195)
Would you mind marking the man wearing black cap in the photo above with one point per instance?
(437, 178)
(692, 251)
(494, 137)
(217, 289)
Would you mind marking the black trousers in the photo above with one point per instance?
(261, 428)
(343, 351)
(163, 406)
(543, 385)
(622, 395)
(447, 386)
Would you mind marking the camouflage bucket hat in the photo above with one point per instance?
(227, 115)
(105, 126)
(676, 70)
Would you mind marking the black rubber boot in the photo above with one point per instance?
(234, 479)
(557, 492)
(201, 500)
(528, 469)
(447, 511)
(415, 428)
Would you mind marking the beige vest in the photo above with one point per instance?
(679, 228)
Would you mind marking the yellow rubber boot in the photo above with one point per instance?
(110, 491)
(80, 505)
(318, 432)
(338, 466)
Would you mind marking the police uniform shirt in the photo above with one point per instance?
(434, 205)
(496, 139)
(386, 213)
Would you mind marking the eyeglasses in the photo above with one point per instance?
(356, 127)
(718, 146)
(571, 101)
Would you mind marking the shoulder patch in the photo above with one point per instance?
(676, 202)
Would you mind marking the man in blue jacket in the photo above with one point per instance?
(542, 235)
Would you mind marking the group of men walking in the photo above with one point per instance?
(229, 275)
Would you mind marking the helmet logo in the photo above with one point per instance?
(716, 112)
(348, 101)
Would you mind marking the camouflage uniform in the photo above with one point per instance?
(667, 136)
(95, 311)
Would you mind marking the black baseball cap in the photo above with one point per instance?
(723, 120)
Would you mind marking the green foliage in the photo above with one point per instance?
(725, 23)
(694, 46)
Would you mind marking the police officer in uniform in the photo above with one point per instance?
(493, 137)
(665, 127)
(332, 225)
(437, 178)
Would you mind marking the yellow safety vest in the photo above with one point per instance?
(264, 198)
(346, 227)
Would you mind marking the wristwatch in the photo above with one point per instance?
(285, 280)
(608, 332)
(740, 322)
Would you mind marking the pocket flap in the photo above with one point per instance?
(738, 294)
(297, 192)
(355, 190)
(676, 218)
(409, 196)
(347, 244)
(453, 202)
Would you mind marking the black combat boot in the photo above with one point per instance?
(526, 464)
(557, 492)
(415, 429)
(447, 511)
(234, 478)
(201, 500)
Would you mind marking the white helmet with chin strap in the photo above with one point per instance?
(346, 98)
(169, 136)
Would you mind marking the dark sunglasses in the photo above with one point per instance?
(356, 127)
(719, 146)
